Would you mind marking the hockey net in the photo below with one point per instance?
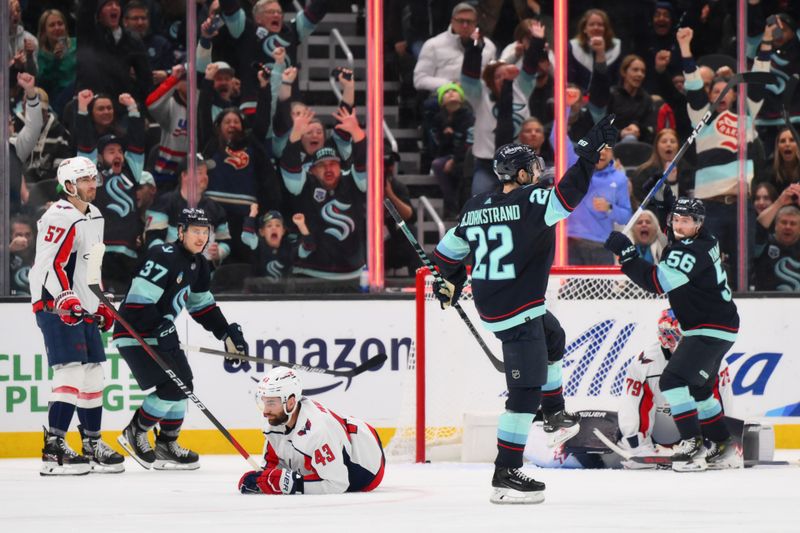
(607, 318)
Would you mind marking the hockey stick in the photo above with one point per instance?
(643, 459)
(401, 224)
(763, 78)
(93, 269)
(369, 364)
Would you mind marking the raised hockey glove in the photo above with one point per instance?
(167, 336)
(601, 135)
(620, 245)
(271, 481)
(69, 308)
(104, 317)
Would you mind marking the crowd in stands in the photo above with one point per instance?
(658, 66)
(286, 193)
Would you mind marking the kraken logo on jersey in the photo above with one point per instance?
(788, 270)
(343, 225)
(122, 203)
(21, 278)
(274, 270)
(271, 42)
(179, 300)
(238, 159)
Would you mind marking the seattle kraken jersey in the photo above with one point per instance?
(116, 199)
(691, 273)
(512, 237)
(169, 279)
(335, 217)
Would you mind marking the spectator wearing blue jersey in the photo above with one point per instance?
(606, 203)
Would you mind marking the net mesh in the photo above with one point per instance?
(570, 285)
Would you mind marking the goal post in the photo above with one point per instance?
(607, 318)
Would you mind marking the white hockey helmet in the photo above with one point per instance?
(280, 382)
(73, 168)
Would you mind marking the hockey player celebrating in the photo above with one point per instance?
(309, 448)
(691, 273)
(512, 236)
(644, 417)
(69, 315)
(172, 276)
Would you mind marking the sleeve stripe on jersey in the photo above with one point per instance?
(445, 258)
(654, 273)
(670, 278)
(645, 405)
(62, 257)
(562, 200)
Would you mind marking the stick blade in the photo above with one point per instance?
(94, 264)
(371, 363)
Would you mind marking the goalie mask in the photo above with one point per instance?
(511, 158)
(280, 382)
(669, 330)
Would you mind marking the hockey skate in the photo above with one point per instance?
(135, 442)
(172, 456)
(560, 427)
(723, 455)
(510, 485)
(102, 458)
(58, 459)
(689, 456)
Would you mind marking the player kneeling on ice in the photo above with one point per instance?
(309, 448)
(171, 276)
(691, 273)
(69, 315)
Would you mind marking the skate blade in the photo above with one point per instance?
(55, 469)
(128, 448)
(162, 464)
(727, 465)
(511, 496)
(97, 468)
(693, 466)
(562, 435)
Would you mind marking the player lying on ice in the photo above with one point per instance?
(309, 448)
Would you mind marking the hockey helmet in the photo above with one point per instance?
(690, 207)
(193, 217)
(73, 168)
(669, 330)
(509, 159)
(280, 382)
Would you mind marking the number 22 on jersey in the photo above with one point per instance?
(489, 262)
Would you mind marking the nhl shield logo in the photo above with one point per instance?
(320, 194)
(773, 252)
(515, 373)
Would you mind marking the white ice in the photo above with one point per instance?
(412, 498)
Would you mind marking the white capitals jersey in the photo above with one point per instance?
(64, 238)
(644, 412)
(333, 454)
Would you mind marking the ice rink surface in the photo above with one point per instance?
(412, 498)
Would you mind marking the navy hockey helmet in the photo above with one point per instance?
(193, 217)
(509, 159)
(690, 207)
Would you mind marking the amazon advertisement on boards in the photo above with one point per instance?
(601, 338)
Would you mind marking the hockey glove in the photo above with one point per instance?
(104, 318)
(601, 135)
(69, 308)
(167, 336)
(447, 293)
(622, 246)
(271, 481)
